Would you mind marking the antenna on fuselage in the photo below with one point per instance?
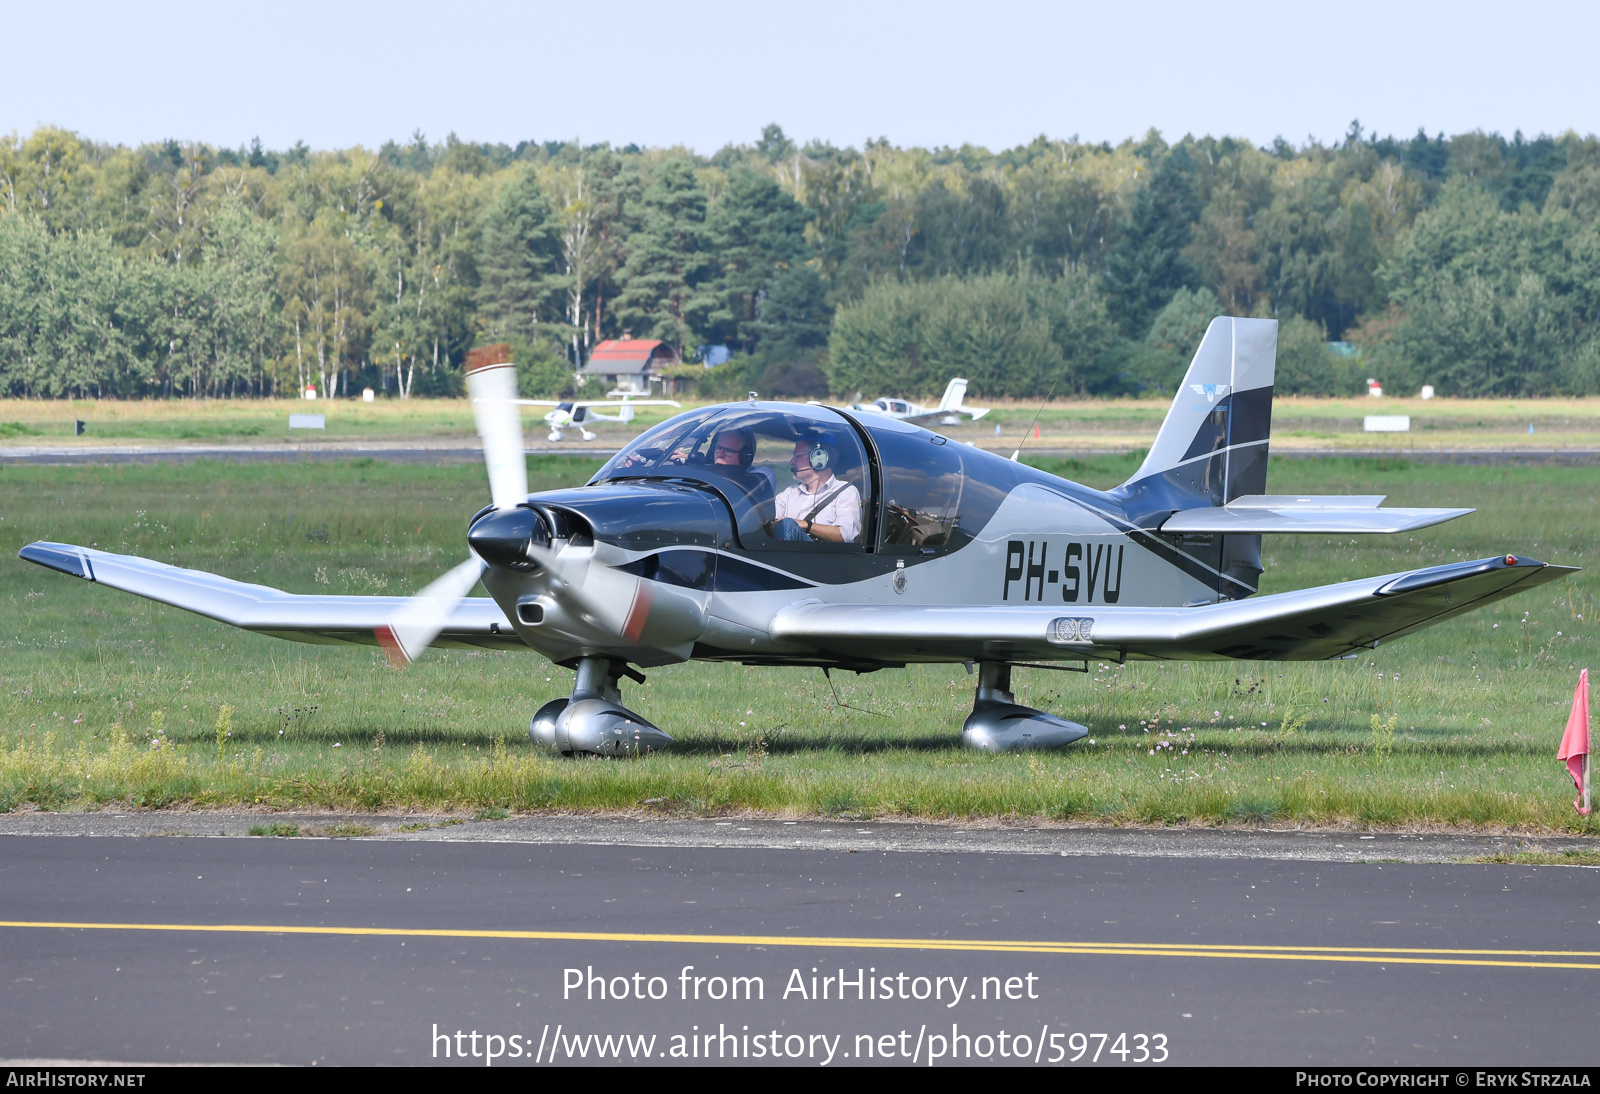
(1035, 421)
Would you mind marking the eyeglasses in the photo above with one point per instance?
(724, 451)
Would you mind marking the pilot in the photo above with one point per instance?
(733, 448)
(821, 506)
(732, 453)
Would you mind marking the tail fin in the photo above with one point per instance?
(1212, 447)
(954, 391)
(1213, 444)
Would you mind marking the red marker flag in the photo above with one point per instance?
(1575, 742)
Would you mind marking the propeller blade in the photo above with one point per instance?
(595, 593)
(418, 622)
(493, 388)
(619, 602)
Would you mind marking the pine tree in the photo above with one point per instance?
(1146, 265)
(519, 263)
(665, 279)
(758, 234)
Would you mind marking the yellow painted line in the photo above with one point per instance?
(1553, 959)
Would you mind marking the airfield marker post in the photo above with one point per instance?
(1575, 742)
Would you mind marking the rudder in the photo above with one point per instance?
(1212, 445)
(1222, 411)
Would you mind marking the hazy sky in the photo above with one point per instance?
(934, 72)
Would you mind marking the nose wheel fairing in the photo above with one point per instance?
(593, 721)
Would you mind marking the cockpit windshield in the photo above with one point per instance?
(797, 478)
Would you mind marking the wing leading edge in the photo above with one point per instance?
(477, 623)
(1322, 623)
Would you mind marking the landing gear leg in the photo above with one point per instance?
(593, 720)
(998, 724)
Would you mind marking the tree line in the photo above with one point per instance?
(178, 269)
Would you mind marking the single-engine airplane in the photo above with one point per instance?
(948, 412)
(784, 534)
(574, 412)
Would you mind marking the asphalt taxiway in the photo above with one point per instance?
(1272, 948)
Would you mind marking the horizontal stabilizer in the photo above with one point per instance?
(1261, 514)
(477, 622)
(1328, 621)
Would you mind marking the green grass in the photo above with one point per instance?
(1545, 858)
(1063, 423)
(277, 829)
(264, 421)
(90, 677)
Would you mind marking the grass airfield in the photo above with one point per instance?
(107, 700)
(1097, 425)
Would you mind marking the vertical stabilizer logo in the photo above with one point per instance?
(1212, 392)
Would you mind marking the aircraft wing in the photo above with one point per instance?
(1274, 513)
(576, 403)
(477, 622)
(972, 412)
(1322, 623)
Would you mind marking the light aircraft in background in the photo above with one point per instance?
(572, 413)
(948, 412)
(891, 547)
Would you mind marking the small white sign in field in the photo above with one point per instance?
(1388, 423)
(308, 421)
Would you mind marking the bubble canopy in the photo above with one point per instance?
(770, 462)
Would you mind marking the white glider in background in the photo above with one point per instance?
(948, 412)
(572, 413)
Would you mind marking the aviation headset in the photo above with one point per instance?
(747, 446)
(819, 454)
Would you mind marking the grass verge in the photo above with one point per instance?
(1544, 858)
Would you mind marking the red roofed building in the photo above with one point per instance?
(629, 364)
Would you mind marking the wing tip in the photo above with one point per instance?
(61, 557)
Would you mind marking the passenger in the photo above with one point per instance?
(821, 506)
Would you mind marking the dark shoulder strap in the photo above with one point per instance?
(823, 504)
